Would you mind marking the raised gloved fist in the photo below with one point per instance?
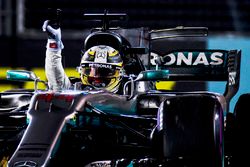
(54, 37)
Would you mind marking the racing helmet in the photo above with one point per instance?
(102, 67)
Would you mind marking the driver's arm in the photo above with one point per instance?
(55, 74)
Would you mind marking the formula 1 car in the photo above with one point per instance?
(141, 127)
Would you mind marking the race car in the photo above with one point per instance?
(144, 126)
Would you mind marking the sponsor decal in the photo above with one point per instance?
(189, 58)
(101, 66)
(101, 56)
(25, 163)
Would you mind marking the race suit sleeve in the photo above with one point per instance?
(57, 78)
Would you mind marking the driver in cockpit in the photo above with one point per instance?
(101, 66)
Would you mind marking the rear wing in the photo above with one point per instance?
(179, 31)
(202, 65)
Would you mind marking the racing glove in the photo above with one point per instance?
(54, 42)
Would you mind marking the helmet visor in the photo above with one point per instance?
(99, 82)
(100, 75)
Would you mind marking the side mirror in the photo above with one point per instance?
(153, 75)
(23, 76)
(149, 75)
